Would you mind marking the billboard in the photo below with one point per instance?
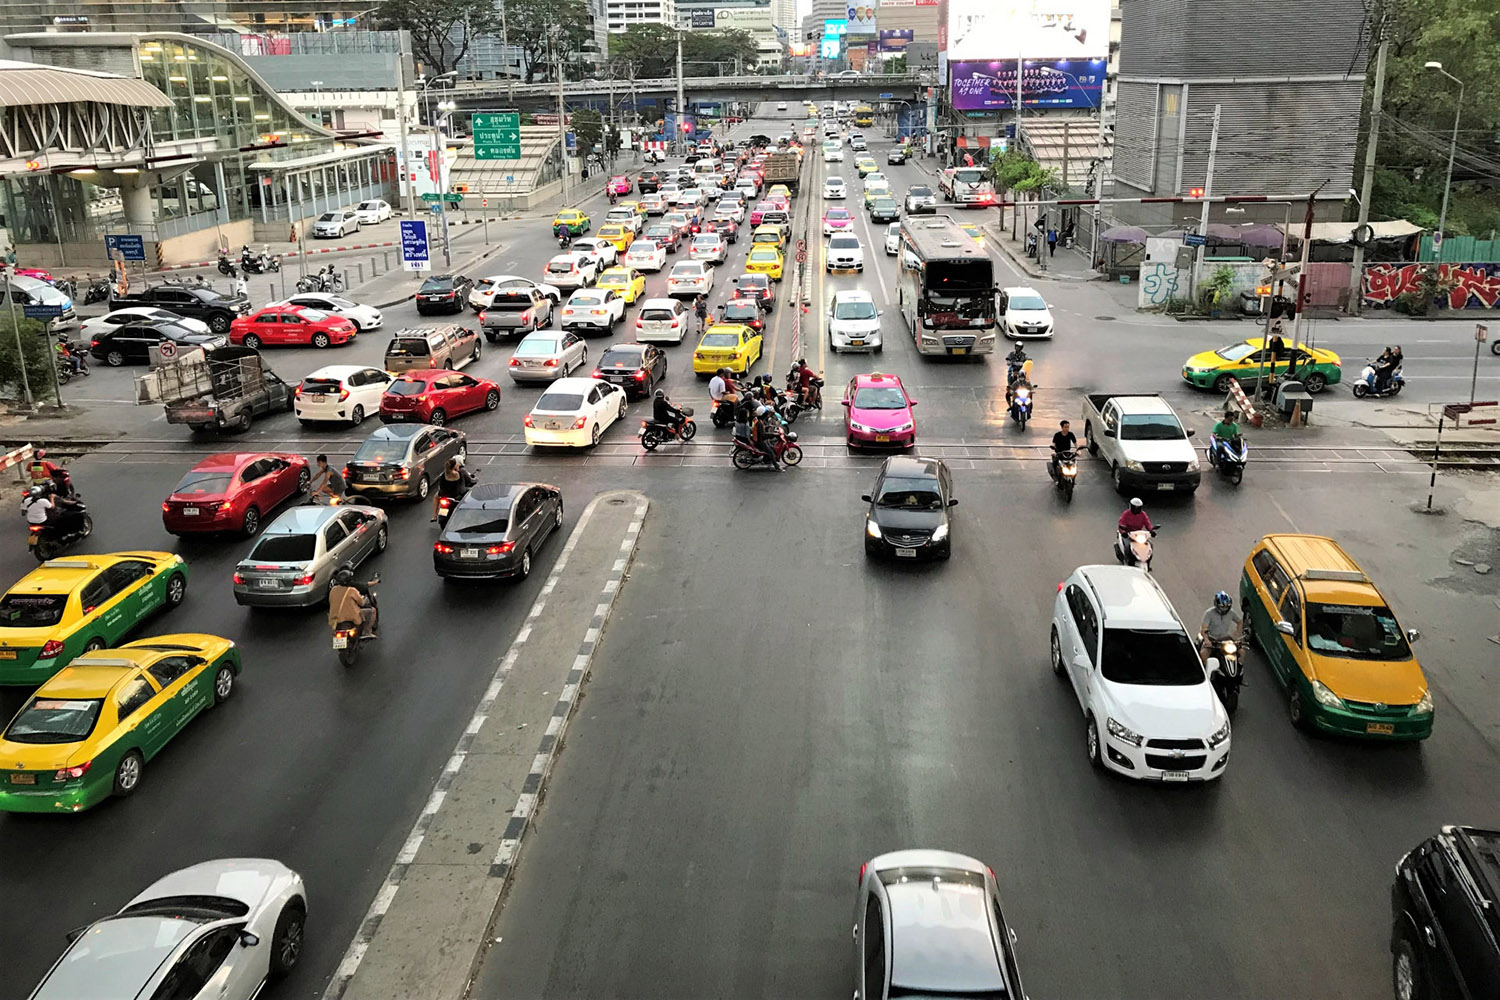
(1056, 83)
(799, 50)
(701, 19)
(895, 39)
(1036, 29)
(833, 29)
(861, 18)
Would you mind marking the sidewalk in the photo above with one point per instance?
(1066, 265)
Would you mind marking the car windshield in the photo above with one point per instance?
(1355, 631)
(706, 243)
(856, 309)
(620, 357)
(592, 298)
(741, 310)
(720, 340)
(657, 315)
(536, 347)
(1150, 656)
(560, 267)
(408, 347)
(659, 232)
(884, 397)
(406, 387)
(687, 271)
(838, 213)
(282, 548)
(754, 281)
(319, 386)
(1235, 352)
(330, 216)
(478, 521)
(1150, 427)
(32, 610)
(910, 494)
(971, 175)
(437, 285)
(55, 720)
(844, 243)
(885, 204)
(919, 192)
(381, 450)
(559, 402)
(369, 206)
(511, 300)
(204, 483)
(1034, 302)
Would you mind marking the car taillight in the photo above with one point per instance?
(347, 473)
(343, 395)
(862, 868)
(640, 375)
(303, 580)
(698, 356)
(165, 506)
(515, 362)
(442, 548)
(550, 363)
(93, 343)
(639, 325)
(239, 578)
(501, 549)
(1060, 587)
(50, 648)
(297, 391)
(76, 771)
(403, 473)
(527, 421)
(481, 315)
(580, 423)
(598, 373)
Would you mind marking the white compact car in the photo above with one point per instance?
(833, 152)
(340, 393)
(371, 212)
(853, 322)
(137, 314)
(845, 253)
(662, 320)
(690, 278)
(781, 105)
(1149, 710)
(1023, 313)
(603, 252)
(363, 317)
(572, 270)
(834, 187)
(709, 248)
(483, 294)
(333, 224)
(892, 239)
(593, 309)
(645, 255)
(574, 412)
(227, 926)
(733, 210)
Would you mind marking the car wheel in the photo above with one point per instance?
(94, 645)
(1091, 742)
(1222, 383)
(557, 518)
(622, 408)
(320, 340)
(176, 590)
(382, 538)
(357, 415)
(1119, 478)
(422, 487)
(594, 437)
(128, 773)
(475, 356)
(304, 480)
(252, 341)
(223, 684)
(1294, 710)
(250, 526)
(1315, 382)
(286, 942)
(492, 400)
(1408, 981)
(525, 569)
(114, 358)
(219, 323)
(1057, 660)
(438, 418)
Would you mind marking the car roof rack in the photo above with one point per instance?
(1344, 575)
(1481, 851)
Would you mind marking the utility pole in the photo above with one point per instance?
(562, 118)
(681, 100)
(1307, 225)
(1367, 184)
(510, 81)
(405, 158)
(1208, 192)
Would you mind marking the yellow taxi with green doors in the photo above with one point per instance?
(770, 235)
(1344, 663)
(87, 733)
(77, 604)
(575, 221)
(727, 345)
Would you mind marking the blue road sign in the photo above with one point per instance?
(129, 247)
(415, 253)
(571, 140)
(1194, 239)
(40, 311)
(886, 97)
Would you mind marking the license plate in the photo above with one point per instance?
(1174, 776)
(906, 553)
(190, 511)
(23, 779)
(856, 343)
(552, 425)
(960, 350)
(268, 584)
(31, 541)
(341, 642)
(1381, 728)
(882, 437)
(469, 553)
(7, 654)
(1166, 486)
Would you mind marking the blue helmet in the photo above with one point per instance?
(1222, 601)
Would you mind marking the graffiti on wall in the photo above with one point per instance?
(1158, 283)
(1475, 286)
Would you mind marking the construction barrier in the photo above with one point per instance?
(18, 458)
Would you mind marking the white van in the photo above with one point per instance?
(708, 165)
(35, 291)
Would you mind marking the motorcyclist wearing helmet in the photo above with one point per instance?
(1221, 623)
(43, 471)
(663, 412)
(763, 436)
(352, 601)
(1133, 519)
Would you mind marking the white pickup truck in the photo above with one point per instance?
(1146, 446)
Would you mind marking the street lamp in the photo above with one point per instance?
(444, 108)
(1452, 148)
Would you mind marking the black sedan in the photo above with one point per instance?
(131, 343)
(636, 368)
(884, 210)
(669, 238)
(494, 530)
(909, 510)
(648, 181)
(744, 311)
(727, 228)
(897, 154)
(444, 293)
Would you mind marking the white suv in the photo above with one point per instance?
(1149, 711)
(845, 253)
(1023, 313)
(833, 187)
(853, 320)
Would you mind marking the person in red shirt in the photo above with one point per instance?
(42, 471)
(1135, 518)
(809, 385)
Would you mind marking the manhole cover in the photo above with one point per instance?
(1105, 319)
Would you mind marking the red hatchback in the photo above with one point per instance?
(291, 326)
(234, 491)
(437, 396)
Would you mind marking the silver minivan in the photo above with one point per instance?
(35, 291)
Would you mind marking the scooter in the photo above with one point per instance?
(260, 263)
(446, 504)
(745, 455)
(1064, 472)
(98, 291)
(814, 400)
(1225, 673)
(653, 433)
(1229, 457)
(70, 523)
(349, 636)
(1021, 404)
(1365, 384)
(226, 266)
(1140, 548)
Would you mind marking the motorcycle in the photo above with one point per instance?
(349, 636)
(260, 263)
(1064, 472)
(1141, 549)
(814, 400)
(1366, 383)
(70, 522)
(745, 455)
(564, 239)
(310, 283)
(446, 504)
(226, 266)
(1225, 673)
(1229, 457)
(723, 414)
(98, 291)
(653, 433)
(1021, 404)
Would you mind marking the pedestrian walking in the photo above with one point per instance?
(1052, 243)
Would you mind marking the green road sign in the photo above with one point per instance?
(432, 197)
(450, 198)
(497, 136)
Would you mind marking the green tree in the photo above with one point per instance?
(442, 31)
(649, 51)
(540, 28)
(588, 127)
(35, 345)
(896, 65)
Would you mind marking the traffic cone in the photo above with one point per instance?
(1296, 420)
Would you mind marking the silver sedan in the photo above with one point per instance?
(296, 555)
(546, 356)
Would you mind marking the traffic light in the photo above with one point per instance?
(1195, 192)
(686, 127)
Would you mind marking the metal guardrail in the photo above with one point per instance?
(784, 82)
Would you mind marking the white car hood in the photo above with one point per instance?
(1029, 316)
(249, 880)
(1165, 712)
(854, 327)
(1181, 450)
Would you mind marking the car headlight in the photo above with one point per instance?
(1326, 697)
(1124, 733)
(853, 426)
(1134, 466)
(871, 528)
(906, 427)
(1194, 465)
(1424, 704)
(941, 533)
(1218, 738)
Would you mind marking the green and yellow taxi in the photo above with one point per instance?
(727, 345)
(874, 192)
(618, 236)
(769, 236)
(975, 233)
(765, 260)
(628, 282)
(87, 733)
(1343, 661)
(779, 191)
(576, 222)
(1248, 360)
(865, 165)
(75, 604)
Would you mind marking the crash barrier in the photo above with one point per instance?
(18, 458)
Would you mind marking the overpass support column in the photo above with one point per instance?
(135, 199)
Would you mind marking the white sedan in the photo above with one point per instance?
(370, 212)
(237, 923)
(592, 309)
(691, 278)
(137, 314)
(602, 251)
(645, 255)
(574, 412)
(363, 317)
(483, 294)
(834, 187)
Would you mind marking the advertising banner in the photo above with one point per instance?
(1033, 29)
(833, 29)
(799, 49)
(1059, 83)
(895, 39)
(861, 19)
(701, 19)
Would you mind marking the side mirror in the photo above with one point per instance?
(953, 501)
(1412, 635)
(76, 933)
(846, 402)
(1109, 432)
(1286, 628)
(1191, 432)
(866, 498)
(248, 939)
(1212, 663)
(879, 312)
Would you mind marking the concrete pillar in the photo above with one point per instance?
(135, 199)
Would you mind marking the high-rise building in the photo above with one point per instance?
(621, 14)
(784, 15)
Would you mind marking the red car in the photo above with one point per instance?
(436, 396)
(619, 184)
(234, 491)
(291, 326)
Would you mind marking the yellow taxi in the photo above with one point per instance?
(87, 733)
(618, 236)
(866, 165)
(874, 192)
(765, 260)
(770, 236)
(1248, 360)
(634, 206)
(628, 282)
(779, 191)
(75, 604)
(1343, 661)
(727, 345)
(575, 221)
(974, 232)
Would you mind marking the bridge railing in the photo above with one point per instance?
(784, 82)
